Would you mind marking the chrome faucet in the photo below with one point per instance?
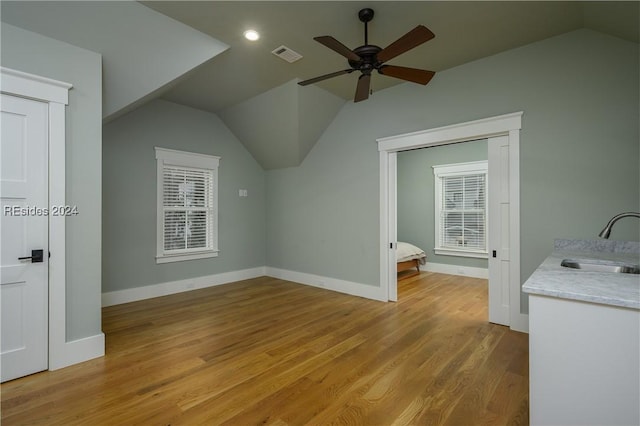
(607, 229)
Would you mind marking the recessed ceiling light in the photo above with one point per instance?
(251, 35)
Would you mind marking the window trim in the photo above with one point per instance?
(173, 157)
(459, 169)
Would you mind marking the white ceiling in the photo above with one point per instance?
(154, 49)
(464, 31)
(143, 51)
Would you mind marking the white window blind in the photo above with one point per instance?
(188, 209)
(187, 205)
(461, 209)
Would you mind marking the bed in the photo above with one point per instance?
(409, 256)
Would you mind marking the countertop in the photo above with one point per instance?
(551, 279)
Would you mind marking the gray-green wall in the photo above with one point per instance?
(129, 196)
(579, 156)
(30, 52)
(416, 199)
(290, 119)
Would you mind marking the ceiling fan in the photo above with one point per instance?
(369, 57)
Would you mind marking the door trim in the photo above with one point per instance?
(56, 95)
(508, 125)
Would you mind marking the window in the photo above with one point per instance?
(461, 209)
(187, 210)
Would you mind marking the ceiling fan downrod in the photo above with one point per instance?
(366, 15)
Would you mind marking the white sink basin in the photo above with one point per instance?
(614, 267)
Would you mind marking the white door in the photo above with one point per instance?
(393, 225)
(499, 226)
(24, 231)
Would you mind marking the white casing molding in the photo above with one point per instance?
(56, 95)
(77, 351)
(33, 86)
(507, 125)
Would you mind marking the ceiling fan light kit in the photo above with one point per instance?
(369, 57)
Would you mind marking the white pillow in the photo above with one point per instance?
(408, 251)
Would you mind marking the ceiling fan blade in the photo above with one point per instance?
(362, 90)
(324, 77)
(409, 74)
(413, 38)
(338, 47)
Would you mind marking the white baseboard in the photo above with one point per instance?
(163, 289)
(341, 286)
(466, 271)
(172, 287)
(77, 351)
(520, 323)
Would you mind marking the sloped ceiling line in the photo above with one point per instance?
(280, 127)
(143, 50)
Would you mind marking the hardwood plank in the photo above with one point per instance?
(270, 351)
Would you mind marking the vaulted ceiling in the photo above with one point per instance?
(464, 31)
(194, 52)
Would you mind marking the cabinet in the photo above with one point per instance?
(584, 363)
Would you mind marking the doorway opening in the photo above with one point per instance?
(503, 136)
(442, 211)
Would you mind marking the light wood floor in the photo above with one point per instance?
(267, 351)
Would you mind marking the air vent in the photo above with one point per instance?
(287, 54)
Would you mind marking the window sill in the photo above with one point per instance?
(461, 253)
(186, 256)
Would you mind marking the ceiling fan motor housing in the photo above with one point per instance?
(369, 60)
